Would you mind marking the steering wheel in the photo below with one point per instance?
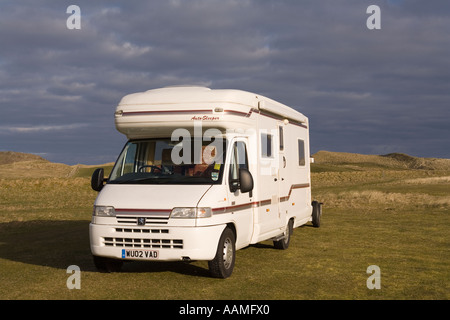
(150, 166)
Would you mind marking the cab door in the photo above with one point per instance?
(240, 204)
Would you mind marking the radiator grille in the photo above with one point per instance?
(143, 243)
(133, 220)
(138, 230)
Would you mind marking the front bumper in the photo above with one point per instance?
(172, 243)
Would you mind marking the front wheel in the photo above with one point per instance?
(223, 263)
(283, 244)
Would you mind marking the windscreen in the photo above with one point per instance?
(162, 161)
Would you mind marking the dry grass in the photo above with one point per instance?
(359, 178)
(44, 198)
(383, 189)
(432, 180)
(34, 169)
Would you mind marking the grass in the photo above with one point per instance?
(395, 218)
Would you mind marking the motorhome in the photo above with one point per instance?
(205, 172)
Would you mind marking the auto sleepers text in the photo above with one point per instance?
(247, 309)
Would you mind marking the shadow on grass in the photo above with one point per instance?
(59, 244)
(56, 244)
(185, 268)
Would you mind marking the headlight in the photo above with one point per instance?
(104, 211)
(190, 213)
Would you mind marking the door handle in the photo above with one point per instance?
(275, 179)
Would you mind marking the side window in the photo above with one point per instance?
(238, 160)
(127, 162)
(266, 145)
(130, 158)
(301, 152)
(280, 133)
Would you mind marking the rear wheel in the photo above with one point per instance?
(223, 263)
(283, 244)
(316, 213)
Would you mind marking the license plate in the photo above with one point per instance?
(139, 254)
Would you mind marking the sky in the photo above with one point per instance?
(369, 91)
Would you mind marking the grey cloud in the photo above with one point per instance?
(41, 128)
(364, 91)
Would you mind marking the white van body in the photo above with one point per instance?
(165, 221)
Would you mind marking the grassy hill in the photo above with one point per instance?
(7, 157)
(380, 182)
(342, 161)
(17, 165)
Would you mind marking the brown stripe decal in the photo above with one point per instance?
(205, 111)
(239, 113)
(257, 204)
(228, 209)
(151, 212)
(163, 112)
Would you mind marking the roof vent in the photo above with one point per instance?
(188, 86)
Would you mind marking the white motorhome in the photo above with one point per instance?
(203, 174)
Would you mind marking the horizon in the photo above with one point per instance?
(312, 156)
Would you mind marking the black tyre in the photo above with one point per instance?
(316, 213)
(223, 263)
(107, 264)
(283, 244)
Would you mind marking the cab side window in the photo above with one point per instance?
(266, 145)
(238, 160)
(301, 153)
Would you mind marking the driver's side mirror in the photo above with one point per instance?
(245, 180)
(97, 179)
